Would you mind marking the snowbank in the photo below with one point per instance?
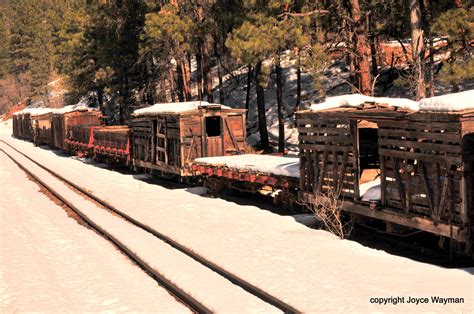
(450, 102)
(357, 100)
(278, 165)
(176, 107)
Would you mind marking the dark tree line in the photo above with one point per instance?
(132, 53)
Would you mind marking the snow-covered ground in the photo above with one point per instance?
(49, 263)
(209, 288)
(309, 269)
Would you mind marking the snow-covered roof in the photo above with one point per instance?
(82, 105)
(357, 100)
(445, 103)
(71, 108)
(34, 111)
(39, 111)
(449, 102)
(278, 165)
(176, 107)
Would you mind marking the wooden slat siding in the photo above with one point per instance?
(428, 190)
(420, 135)
(419, 156)
(435, 143)
(426, 147)
(328, 154)
(355, 149)
(311, 173)
(326, 147)
(303, 167)
(315, 166)
(234, 141)
(321, 139)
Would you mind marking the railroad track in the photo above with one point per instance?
(181, 295)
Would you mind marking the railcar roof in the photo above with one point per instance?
(457, 103)
(177, 108)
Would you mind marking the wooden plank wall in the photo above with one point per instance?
(422, 168)
(234, 133)
(328, 155)
(193, 142)
(142, 133)
(57, 130)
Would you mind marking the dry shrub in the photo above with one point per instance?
(327, 208)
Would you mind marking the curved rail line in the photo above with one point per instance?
(252, 289)
(179, 294)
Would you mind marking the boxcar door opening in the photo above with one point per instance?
(214, 136)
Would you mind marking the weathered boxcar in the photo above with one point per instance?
(425, 160)
(41, 126)
(168, 137)
(16, 120)
(25, 125)
(64, 119)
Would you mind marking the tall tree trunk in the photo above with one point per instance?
(363, 77)
(418, 48)
(249, 86)
(298, 83)
(199, 71)
(427, 29)
(172, 85)
(281, 122)
(207, 73)
(185, 79)
(262, 119)
(180, 79)
(221, 85)
(373, 48)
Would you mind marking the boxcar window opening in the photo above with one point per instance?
(213, 126)
(368, 151)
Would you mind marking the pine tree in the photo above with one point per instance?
(169, 36)
(458, 25)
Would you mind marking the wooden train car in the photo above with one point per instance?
(62, 121)
(16, 121)
(168, 137)
(25, 126)
(112, 143)
(41, 126)
(425, 162)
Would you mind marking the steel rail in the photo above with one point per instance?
(247, 286)
(179, 294)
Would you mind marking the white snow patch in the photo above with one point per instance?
(278, 165)
(370, 191)
(357, 100)
(445, 103)
(449, 102)
(176, 107)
